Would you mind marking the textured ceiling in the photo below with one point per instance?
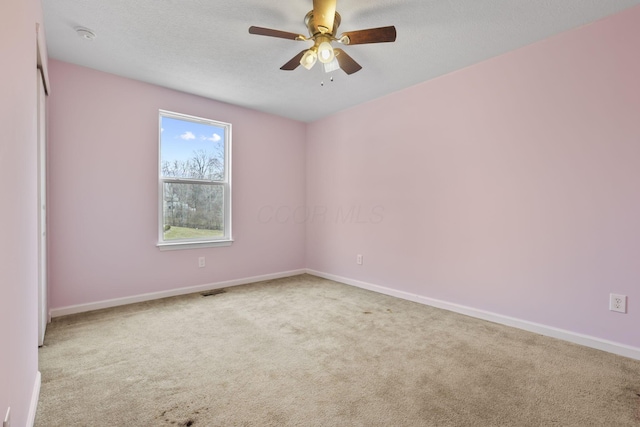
(203, 46)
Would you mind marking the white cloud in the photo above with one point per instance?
(214, 138)
(187, 136)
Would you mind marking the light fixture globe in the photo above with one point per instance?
(325, 52)
(309, 58)
(331, 66)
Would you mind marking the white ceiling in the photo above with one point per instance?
(203, 46)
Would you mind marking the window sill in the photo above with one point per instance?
(175, 246)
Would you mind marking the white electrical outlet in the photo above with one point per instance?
(618, 303)
(359, 259)
(7, 418)
(201, 262)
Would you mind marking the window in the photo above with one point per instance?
(195, 182)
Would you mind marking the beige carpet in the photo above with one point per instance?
(305, 351)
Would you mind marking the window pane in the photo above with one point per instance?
(191, 149)
(193, 211)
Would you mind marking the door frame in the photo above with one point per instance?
(43, 89)
(43, 306)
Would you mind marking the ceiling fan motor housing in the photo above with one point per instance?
(315, 30)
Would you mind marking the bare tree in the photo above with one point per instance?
(195, 205)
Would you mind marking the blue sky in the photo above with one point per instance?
(180, 138)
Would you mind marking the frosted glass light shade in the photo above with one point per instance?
(331, 66)
(308, 59)
(325, 52)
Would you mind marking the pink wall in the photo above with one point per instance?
(511, 186)
(103, 190)
(18, 212)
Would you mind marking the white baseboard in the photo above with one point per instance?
(35, 396)
(81, 308)
(550, 331)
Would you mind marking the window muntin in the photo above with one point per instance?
(195, 181)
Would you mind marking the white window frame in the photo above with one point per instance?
(226, 239)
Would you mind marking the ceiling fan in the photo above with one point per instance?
(323, 22)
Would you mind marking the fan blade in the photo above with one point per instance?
(324, 12)
(275, 33)
(372, 35)
(346, 62)
(295, 61)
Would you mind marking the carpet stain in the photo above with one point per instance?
(167, 416)
(366, 312)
